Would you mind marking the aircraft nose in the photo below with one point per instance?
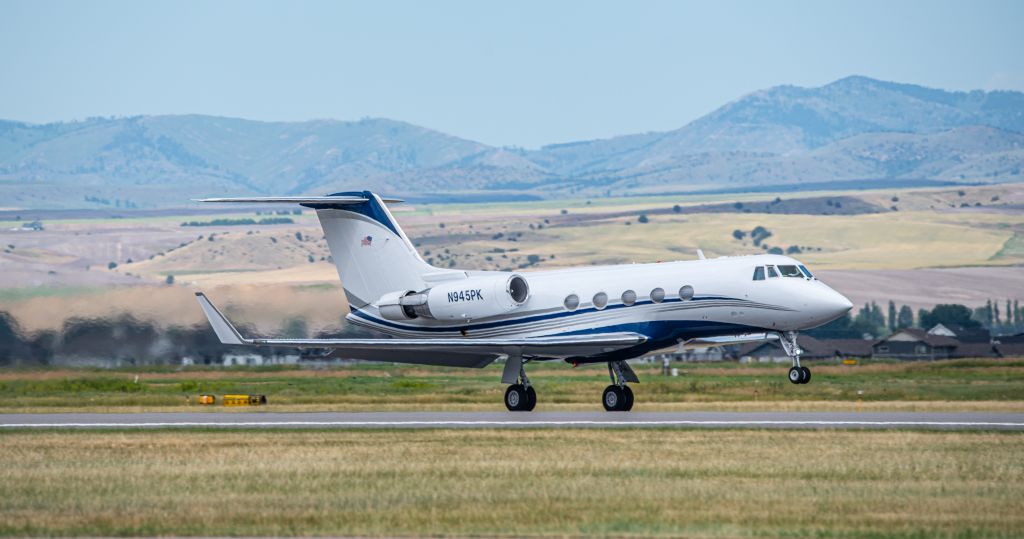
(836, 304)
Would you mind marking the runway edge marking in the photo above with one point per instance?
(540, 423)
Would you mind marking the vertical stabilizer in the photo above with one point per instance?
(372, 254)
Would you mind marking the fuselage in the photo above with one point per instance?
(668, 302)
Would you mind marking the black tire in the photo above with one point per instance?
(807, 375)
(796, 375)
(628, 392)
(613, 399)
(515, 398)
(531, 399)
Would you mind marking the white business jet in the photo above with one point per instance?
(598, 314)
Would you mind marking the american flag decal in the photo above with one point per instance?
(365, 242)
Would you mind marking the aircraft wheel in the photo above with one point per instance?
(531, 399)
(614, 399)
(516, 398)
(796, 375)
(628, 392)
(806, 375)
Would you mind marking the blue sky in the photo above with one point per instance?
(505, 73)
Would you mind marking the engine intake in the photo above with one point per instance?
(463, 299)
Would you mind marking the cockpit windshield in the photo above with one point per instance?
(772, 272)
(790, 271)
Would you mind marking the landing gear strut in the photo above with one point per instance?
(520, 396)
(797, 374)
(618, 397)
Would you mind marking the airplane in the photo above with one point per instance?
(596, 314)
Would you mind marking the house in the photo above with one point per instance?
(962, 334)
(1009, 345)
(913, 343)
(771, 351)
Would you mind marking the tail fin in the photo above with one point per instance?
(372, 254)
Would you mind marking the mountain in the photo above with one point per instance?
(854, 128)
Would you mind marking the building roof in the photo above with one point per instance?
(814, 347)
(921, 335)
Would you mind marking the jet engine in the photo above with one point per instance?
(462, 299)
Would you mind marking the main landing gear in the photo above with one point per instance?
(797, 374)
(618, 397)
(520, 395)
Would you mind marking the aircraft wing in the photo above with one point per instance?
(329, 200)
(705, 342)
(443, 351)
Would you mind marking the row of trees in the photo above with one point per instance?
(126, 339)
(870, 319)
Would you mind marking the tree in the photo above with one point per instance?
(739, 234)
(642, 219)
(922, 316)
(949, 314)
(905, 318)
(869, 320)
(111, 265)
(169, 280)
(677, 208)
(892, 316)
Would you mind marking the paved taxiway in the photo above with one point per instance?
(387, 420)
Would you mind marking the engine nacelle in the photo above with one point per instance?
(462, 299)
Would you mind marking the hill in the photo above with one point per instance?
(856, 128)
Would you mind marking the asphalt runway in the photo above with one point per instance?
(412, 420)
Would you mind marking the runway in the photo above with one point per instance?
(501, 420)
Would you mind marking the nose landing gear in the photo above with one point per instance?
(797, 374)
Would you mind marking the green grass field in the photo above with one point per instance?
(565, 483)
(949, 385)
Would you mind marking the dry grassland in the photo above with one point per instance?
(513, 483)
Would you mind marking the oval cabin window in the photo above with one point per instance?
(686, 293)
(571, 302)
(658, 295)
(628, 298)
(600, 300)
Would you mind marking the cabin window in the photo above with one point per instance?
(600, 300)
(759, 273)
(572, 301)
(806, 271)
(658, 295)
(628, 298)
(790, 271)
(883, 349)
(771, 272)
(686, 293)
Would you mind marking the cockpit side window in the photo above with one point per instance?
(806, 271)
(790, 271)
(759, 273)
(771, 272)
